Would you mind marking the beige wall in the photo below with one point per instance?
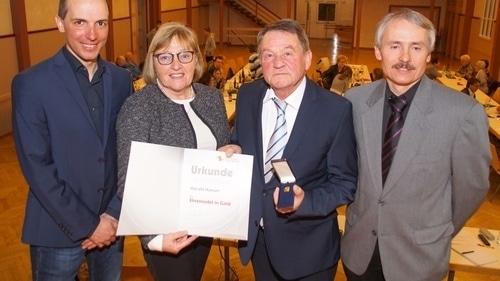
(5, 19)
(43, 45)
(40, 15)
(373, 11)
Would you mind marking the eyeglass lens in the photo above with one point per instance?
(168, 58)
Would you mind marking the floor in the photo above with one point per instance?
(14, 261)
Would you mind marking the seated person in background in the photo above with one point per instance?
(466, 70)
(254, 63)
(377, 74)
(431, 70)
(341, 82)
(492, 83)
(472, 86)
(206, 77)
(212, 77)
(217, 80)
(340, 67)
(217, 62)
(486, 69)
(132, 66)
(120, 61)
(482, 76)
(322, 65)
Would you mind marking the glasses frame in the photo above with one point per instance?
(172, 55)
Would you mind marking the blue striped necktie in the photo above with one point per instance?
(392, 133)
(278, 139)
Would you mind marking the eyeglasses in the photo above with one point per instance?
(168, 58)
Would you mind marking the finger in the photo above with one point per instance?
(179, 235)
(276, 195)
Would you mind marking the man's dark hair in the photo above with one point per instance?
(63, 8)
(472, 81)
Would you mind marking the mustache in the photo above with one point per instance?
(404, 65)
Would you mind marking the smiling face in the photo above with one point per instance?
(86, 28)
(284, 61)
(176, 78)
(404, 52)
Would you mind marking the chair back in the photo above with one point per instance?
(495, 164)
(496, 95)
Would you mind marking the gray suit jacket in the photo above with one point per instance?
(438, 178)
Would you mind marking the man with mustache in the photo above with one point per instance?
(423, 159)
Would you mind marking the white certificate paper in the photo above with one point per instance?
(169, 189)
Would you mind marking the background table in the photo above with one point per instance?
(451, 81)
(460, 263)
(457, 261)
(491, 111)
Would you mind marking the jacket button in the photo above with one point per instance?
(374, 232)
(264, 192)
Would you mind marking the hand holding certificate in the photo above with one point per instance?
(169, 189)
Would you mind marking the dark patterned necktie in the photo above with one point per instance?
(392, 133)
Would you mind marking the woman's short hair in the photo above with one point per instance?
(341, 57)
(411, 16)
(163, 38)
(481, 64)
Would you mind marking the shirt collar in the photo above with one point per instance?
(76, 64)
(292, 100)
(408, 94)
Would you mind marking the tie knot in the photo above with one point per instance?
(280, 105)
(398, 103)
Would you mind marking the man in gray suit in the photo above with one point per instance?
(406, 211)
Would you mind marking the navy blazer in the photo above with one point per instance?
(70, 172)
(321, 151)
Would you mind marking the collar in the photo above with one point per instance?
(292, 100)
(408, 94)
(76, 64)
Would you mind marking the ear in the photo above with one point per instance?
(378, 55)
(59, 23)
(308, 59)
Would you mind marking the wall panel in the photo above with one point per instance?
(5, 18)
(40, 15)
(43, 45)
(8, 68)
(122, 37)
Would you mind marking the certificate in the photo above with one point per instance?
(169, 189)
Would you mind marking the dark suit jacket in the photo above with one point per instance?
(466, 91)
(437, 180)
(321, 151)
(71, 173)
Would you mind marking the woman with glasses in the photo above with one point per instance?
(173, 110)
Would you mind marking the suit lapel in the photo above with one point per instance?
(415, 130)
(108, 95)
(371, 117)
(256, 114)
(306, 113)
